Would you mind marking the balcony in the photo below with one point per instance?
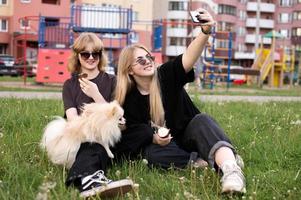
(251, 38)
(174, 50)
(264, 7)
(177, 14)
(176, 32)
(263, 23)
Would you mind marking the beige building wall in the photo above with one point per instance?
(6, 10)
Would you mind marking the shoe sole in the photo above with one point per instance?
(117, 188)
(234, 191)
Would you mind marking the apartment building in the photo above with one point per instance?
(19, 20)
(6, 12)
(248, 20)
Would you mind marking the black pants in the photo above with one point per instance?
(92, 156)
(202, 135)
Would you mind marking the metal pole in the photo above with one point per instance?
(257, 28)
(229, 58)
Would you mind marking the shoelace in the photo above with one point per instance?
(233, 172)
(97, 177)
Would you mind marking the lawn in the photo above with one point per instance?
(267, 136)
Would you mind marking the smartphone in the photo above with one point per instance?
(194, 18)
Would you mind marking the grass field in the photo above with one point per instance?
(268, 137)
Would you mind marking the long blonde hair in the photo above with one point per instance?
(79, 45)
(125, 82)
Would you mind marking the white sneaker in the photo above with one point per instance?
(233, 180)
(98, 184)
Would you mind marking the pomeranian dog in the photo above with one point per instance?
(98, 123)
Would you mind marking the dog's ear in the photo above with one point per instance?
(112, 112)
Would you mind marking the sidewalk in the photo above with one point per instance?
(206, 98)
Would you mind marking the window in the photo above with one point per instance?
(3, 2)
(225, 26)
(24, 24)
(284, 32)
(173, 23)
(242, 15)
(284, 18)
(3, 25)
(176, 5)
(241, 31)
(226, 9)
(135, 15)
(52, 21)
(285, 2)
(296, 32)
(25, 1)
(174, 41)
(3, 48)
(297, 15)
(55, 2)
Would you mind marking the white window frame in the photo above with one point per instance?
(25, 1)
(3, 30)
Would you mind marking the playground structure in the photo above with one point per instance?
(213, 71)
(273, 63)
(55, 38)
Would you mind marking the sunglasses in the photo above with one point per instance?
(85, 55)
(143, 60)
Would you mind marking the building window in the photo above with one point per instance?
(3, 2)
(174, 41)
(135, 15)
(3, 25)
(24, 24)
(297, 15)
(226, 9)
(242, 15)
(285, 2)
(284, 18)
(296, 32)
(173, 23)
(241, 31)
(284, 32)
(176, 5)
(55, 2)
(3, 48)
(25, 1)
(225, 26)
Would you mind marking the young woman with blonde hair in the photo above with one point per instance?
(155, 95)
(90, 83)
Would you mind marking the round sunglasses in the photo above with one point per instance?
(85, 55)
(143, 60)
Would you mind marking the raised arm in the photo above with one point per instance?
(196, 47)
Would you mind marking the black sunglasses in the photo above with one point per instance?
(86, 54)
(143, 60)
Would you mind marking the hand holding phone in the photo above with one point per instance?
(195, 16)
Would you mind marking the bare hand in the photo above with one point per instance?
(161, 141)
(90, 89)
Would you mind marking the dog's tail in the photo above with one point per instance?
(52, 131)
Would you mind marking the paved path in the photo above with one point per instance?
(210, 98)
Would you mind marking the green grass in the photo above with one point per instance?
(268, 137)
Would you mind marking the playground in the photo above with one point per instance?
(274, 65)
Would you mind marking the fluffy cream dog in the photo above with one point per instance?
(97, 123)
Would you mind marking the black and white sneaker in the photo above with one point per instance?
(98, 184)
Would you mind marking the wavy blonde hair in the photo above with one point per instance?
(79, 45)
(125, 82)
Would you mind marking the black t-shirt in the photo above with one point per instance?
(73, 96)
(178, 107)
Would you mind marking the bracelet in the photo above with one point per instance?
(206, 32)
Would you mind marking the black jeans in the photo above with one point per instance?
(202, 135)
(92, 156)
